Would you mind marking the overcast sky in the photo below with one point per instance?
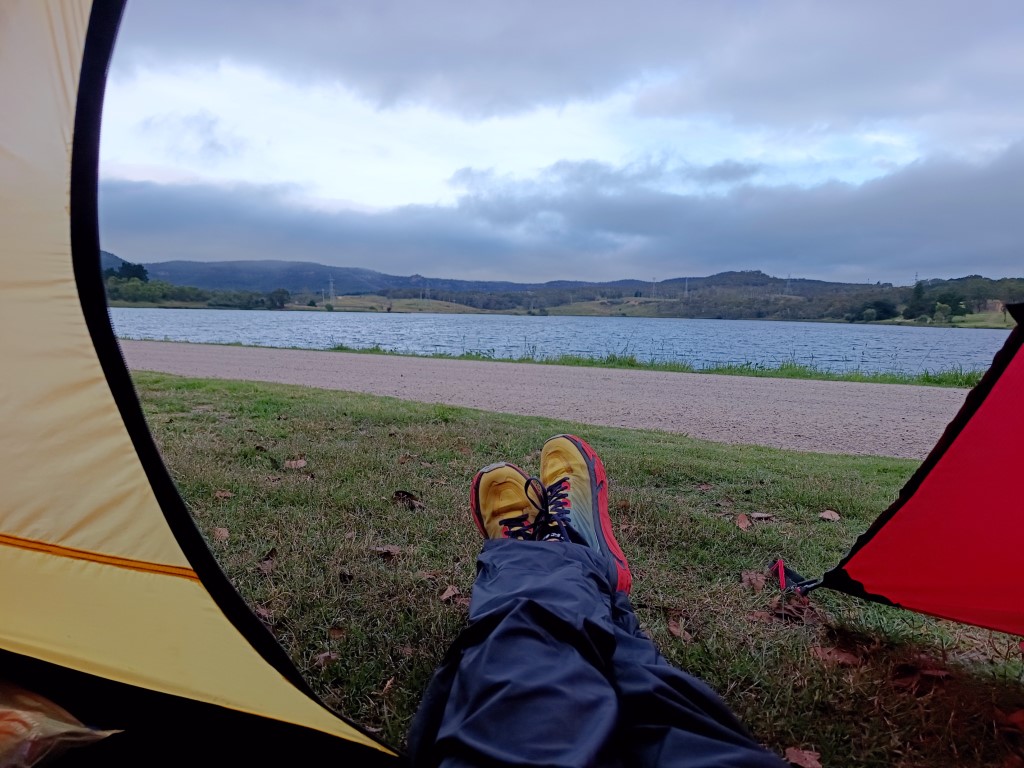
(586, 139)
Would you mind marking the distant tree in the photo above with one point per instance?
(941, 313)
(329, 307)
(311, 303)
(276, 299)
(869, 315)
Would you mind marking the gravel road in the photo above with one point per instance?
(822, 416)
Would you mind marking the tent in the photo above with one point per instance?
(111, 604)
(951, 543)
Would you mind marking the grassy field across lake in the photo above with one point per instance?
(343, 521)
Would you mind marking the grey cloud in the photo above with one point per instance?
(940, 218)
(792, 63)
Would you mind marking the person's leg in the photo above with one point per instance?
(526, 684)
(668, 717)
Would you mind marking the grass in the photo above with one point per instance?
(956, 376)
(381, 621)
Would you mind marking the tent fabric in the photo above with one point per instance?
(951, 544)
(104, 572)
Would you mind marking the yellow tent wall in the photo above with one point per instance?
(108, 594)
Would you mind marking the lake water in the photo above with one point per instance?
(830, 346)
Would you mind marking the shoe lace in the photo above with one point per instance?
(553, 509)
(519, 528)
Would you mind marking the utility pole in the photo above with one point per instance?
(686, 290)
(331, 289)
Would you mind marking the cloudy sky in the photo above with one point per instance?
(578, 139)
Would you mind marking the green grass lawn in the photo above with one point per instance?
(352, 582)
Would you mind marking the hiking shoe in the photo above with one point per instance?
(500, 506)
(576, 501)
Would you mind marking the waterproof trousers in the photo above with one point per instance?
(554, 670)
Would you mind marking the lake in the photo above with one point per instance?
(829, 346)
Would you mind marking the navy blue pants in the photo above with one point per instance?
(554, 670)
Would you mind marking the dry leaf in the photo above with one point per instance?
(325, 658)
(753, 579)
(221, 534)
(743, 522)
(677, 630)
(1014, 720)
(836, 656)
(263, 613)
(791, 606)
(765, 516)
(449, 593)
(387, 552)
(404, 458)
(623, 506)
(409, 500)
(350, 535)
(428, 575)
(830, 514)
(387, 686)
(336, 633)
(803, 758)
(295, 464)
(762, 616)
(223, 494)
(266, 565)
(704, 486)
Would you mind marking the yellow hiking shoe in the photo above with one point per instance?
(500, 506)
(576, 501)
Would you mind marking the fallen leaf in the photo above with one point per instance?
(451, 592)
(676, 630)
(223, 494)
(765, 516)
(426, 464)
(792, 606)
(1012, 721)
(743, 522)
(623, 506)
(428, 575)
(266, 565)
(262, 612)
(404, 458)
(387, 552)
(406, 650)
(836, 656)
(830, 514)
(762, 616)
(803, 758)
(323, 659)
(221, 534)
(704, 486)
(336, 633)
(387, 686)
(409, 500)
(295, 463)
(350, 535)
(753, 579)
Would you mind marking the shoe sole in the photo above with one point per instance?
(599, 480)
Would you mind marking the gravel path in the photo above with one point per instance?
(823, 416)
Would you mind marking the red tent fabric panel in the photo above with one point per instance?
(952, 545)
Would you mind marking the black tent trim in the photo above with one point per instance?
(837, 578)
(104, 22)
